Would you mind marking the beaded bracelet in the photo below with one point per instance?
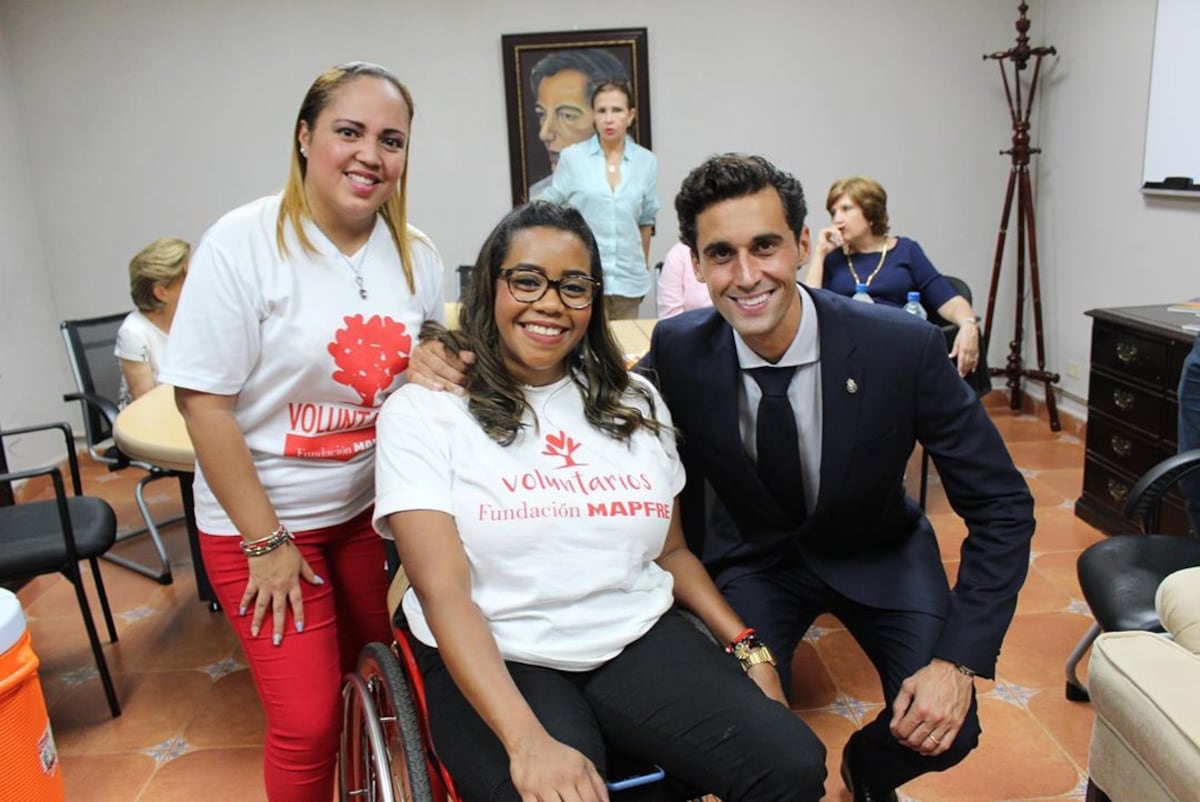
(749, 633)
(265, 545)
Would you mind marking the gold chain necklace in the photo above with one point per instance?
(878, 267)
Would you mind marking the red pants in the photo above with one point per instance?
(299, 681)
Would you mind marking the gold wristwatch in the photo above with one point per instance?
(750, 652)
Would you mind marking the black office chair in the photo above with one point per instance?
(52, 536)
(97, 373)
(980, 378)
(1120, 575)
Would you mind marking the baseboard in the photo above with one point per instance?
(1035, 405)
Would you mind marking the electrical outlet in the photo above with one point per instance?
(1073, 369)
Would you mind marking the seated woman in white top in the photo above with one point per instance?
(156, 277)
(536, 519)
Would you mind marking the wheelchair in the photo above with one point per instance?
(386, 752)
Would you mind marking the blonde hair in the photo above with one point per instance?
(294, 208)
(868, 194)
(163, 261)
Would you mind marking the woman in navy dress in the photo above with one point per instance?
(857, 249)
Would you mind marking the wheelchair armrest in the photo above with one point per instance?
(396, 590)
(106, 407)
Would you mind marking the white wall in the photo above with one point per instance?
(142, 118)
(160, 116)
(33, 368)
(1102, 242)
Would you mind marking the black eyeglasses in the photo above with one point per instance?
(528, 286)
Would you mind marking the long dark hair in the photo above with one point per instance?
(596, 365)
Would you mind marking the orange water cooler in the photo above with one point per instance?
(29, 767)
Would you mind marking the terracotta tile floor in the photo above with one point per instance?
(192, 727)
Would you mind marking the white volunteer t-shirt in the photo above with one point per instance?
(561, 528)
(139, 340)
(309, 361)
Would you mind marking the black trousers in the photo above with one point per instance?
(783, 602)
(672, 698)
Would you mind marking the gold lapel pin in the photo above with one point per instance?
(851, 386)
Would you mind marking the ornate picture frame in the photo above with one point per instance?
(552, 109)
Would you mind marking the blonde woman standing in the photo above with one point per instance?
(296, 324)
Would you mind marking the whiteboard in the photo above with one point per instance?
(1173, 118)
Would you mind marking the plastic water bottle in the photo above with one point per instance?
(913, 307)
(861, 294)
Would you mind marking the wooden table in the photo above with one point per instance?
(152, 429)
(633, 336)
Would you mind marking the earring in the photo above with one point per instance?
(304, 152)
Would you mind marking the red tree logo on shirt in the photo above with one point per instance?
(560, 445)
(370, 354)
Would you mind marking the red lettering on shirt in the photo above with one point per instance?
(629, 509)
(317, 418)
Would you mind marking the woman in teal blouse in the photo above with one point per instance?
(613, 181)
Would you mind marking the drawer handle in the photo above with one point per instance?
(1122, 446)
(1126, 352)
(1117, 490)
(1123, 399)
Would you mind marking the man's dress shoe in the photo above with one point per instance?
(856, 783)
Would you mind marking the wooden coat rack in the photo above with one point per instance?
(1018, 182)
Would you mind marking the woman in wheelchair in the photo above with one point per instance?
(536, 521)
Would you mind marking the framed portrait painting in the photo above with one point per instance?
(547, 80)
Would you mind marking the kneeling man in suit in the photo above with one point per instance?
(800, 408)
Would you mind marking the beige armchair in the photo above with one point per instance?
(1145, 689)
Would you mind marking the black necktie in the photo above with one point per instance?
(778, 442)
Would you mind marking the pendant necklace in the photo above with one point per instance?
(878, 267)
(355, 263)
(612, 166)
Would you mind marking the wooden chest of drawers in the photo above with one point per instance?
(1133, 412)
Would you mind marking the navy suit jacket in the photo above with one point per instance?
(886, 383)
